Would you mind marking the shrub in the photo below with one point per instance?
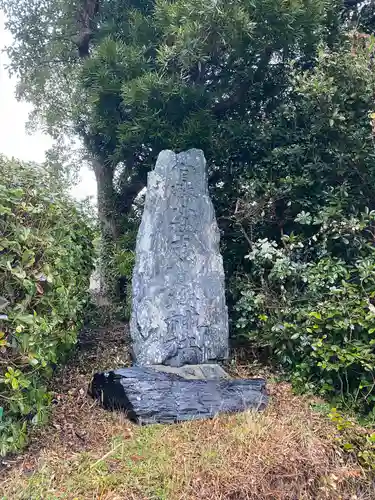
(46, 257)
(310, 299)
(354, 439)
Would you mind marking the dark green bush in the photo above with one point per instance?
(46, 256)
(311, 301)
(309, 293)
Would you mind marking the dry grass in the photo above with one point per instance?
(287, 452)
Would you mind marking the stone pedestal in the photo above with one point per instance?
(150, 396)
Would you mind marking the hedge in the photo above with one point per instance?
(46, 257)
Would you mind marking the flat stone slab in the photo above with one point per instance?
(194, 372)
(150, 396)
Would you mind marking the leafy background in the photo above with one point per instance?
(46, 256)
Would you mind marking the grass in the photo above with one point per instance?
(287, 452)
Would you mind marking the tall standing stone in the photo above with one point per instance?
(179, 315)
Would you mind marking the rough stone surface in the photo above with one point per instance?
(149, 396)
(179, 315)
(199, 372)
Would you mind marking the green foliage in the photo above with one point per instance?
(168, 74)
(181, 74)
(46, 257)
(310, 299)
(310, 289)
(44, 57)
(124, 259)
(354, 440)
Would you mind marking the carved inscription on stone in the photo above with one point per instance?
(179, 314)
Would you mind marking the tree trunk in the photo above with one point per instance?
(108, 228)
(111, 207)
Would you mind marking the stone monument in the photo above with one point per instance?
(179, 322)
(179, 314)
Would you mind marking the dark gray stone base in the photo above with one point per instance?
(151, 396)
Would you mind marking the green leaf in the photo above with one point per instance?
(5, 210)
(316, 315)
(18, 272)
(28, 258)
(14, 383)
(27, 319)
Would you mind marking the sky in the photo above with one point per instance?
(14, 141)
